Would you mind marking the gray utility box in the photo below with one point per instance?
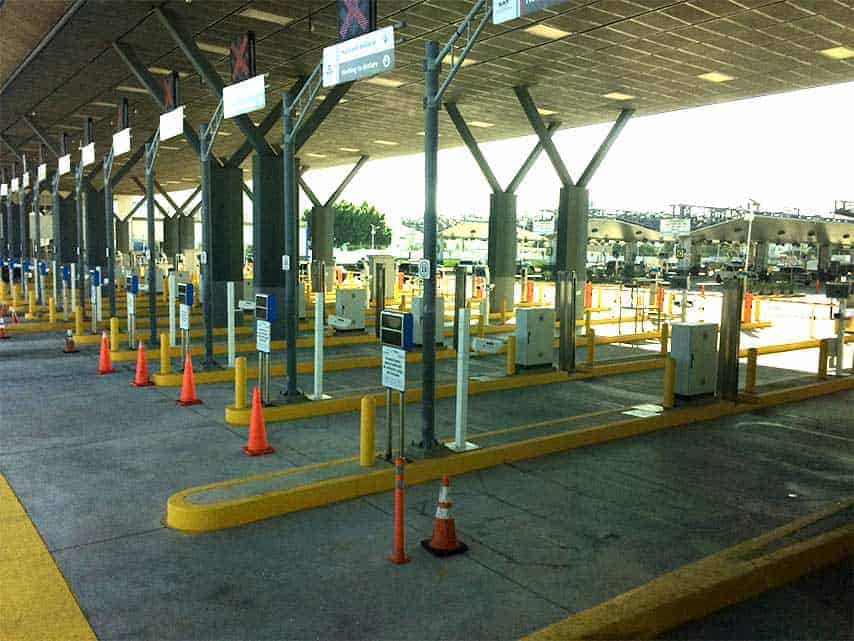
(535, 331)
(351, 304)
(418, 320)
(694, 347)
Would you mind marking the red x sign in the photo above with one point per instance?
(242, 57)
(355, 17)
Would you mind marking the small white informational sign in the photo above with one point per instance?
(64, 164)
(262, 336)
(672, 228)
(42, 172)
(121, 142)
(87, 155)
(203, 258)
(131, 304)
(244, 97)
(4, 189)
(286, 263)
(394, 368)
(25, 180)
(184, 317)
(504, 10)
(424, 269)
(14, 185)
(360, 57)
(172, 123)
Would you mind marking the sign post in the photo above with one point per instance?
(185, 304)
(172, 294)
(396, 330)
(319, 314)
(132, 288)
(460, 443)
(95, 297)
(265, 315)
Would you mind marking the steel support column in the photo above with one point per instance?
(268, 232)
(290, 175)
(501, 249)
(37, 232)
(81, 240)
(150, 157)
(109, 230)
(571, 254)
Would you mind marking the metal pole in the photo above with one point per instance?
(291, 258)
(460, 285)
(229, 289)
(73, 282)
(152, 268)
(172, 284)
(727, 383)
(379, 295)
(81, 276)
(207, 250)
(462, 402)
(319, 301)
(566, 295)
(38, 240)
(431, 156)
(111, 226)
(388, 423)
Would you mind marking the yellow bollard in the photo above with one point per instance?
(750, 374)
(2, 291)
(823, 352)
(51, 310)
(511, 355)
(114, 334)
(78, 321)
(588, 318)
(591, 347)
(31, 303)
(481, 324)
(240, 383)
(165, 360)
(16, 295)
(665, 337)
(670, 304)
(598, 294)
(756, 309)
(503, 311)
(367, 443)
(669, 399)
(403, 302)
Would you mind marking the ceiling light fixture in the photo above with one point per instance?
(547, 32)
(715, 76)
(451, 59)
(100, 103)
(618, 95)
(315, 155)
(838, 53)
(131, 89)
(384, 82)
(481, 124)
(266, 16)
(212, 48)
(349, 150)
(387, 143)
(546, 112)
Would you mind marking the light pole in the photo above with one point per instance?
(373, 233)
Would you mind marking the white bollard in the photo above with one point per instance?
(229, 288)
(173, 294)
(319, 303)
(74, 287)
(462, 410)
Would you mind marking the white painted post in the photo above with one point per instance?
(231, 311)
(73, 288)
(173, 294)
(462, 409)
(319, 302)
(98, 302)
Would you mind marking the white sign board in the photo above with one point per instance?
(504, 10)
(87, 154)
(184, 320)
(262, 336)
(675, 227)
(172, 123)
(358, 58)
(244, 97)
(121, 142)
(4, 189)
(25, 180)
(42, 172)
(14, 185)
(65, 164)
(394, 368)
(424, 269)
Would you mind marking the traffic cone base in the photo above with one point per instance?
(266, 450)
(194, 401)
(441, 552)
(188, 385)
(256, 442)
(400, 560)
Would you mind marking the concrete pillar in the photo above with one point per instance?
(322, 226)
(572, 238)
(268, 233)
(122, 236)
(759, 263)
(4, 229)
(501, 252)
(186, 233)
(95, 226)
(824, 258)
(170, 237)
(64, 229)
(26, 237)
(14, 215)
(226, 259)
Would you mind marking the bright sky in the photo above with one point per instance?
(792, 150)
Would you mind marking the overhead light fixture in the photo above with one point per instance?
(349, 150)
(547, 32)
(343, 100)
(838, 53)
(212, 48)
(618, 95)
(170, 148)
(131, 89)
(223, 133)
(546, 112)
(75, 127)
(384, 82)
(451, 59)
(185, 179)
(100, 103)
(163, 71)
(421, 133)
(387, 143)
(314, 155)
(481, 124)
(266, 16)
(715, 76)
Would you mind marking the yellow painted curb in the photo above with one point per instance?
(697, 590)
(183, 514)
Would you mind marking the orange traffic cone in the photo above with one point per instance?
(105, 365)
(257, 444)
(141, 378)
(702, 291)
(188, 384)
(444, 541)
(69, 347)
(14, 314)
(3, 335)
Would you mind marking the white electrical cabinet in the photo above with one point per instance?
(351, 304)
(694, 347)
(534, 336)
(418, 320)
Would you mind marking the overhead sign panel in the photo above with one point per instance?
(675, 227)
(14, 185)
(4, 189)
(244, 97)
(25, 180)
(504, 10)
(64, 164)
(42, 172)
(87, 155)
(394, 368)
(362, 57)
(121, 142)
(172, 123)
